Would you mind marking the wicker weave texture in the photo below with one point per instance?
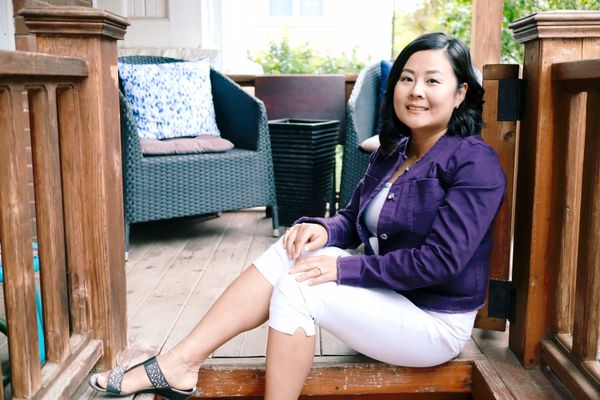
(161, 187)
(361, 119)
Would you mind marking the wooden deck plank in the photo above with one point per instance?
(248, 344)
(530, 384)
(254, 342)
(148, 271)
(222, 268)
(262, 239)
(173, 291)
(140, 242)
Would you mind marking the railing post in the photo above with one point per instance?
(549, 37)
(93, 198)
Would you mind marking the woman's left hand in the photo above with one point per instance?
(318, 269)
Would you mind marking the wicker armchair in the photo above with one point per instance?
(162, 187)
(361, 120)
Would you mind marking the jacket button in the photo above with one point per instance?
(383, 236)
(391, 196)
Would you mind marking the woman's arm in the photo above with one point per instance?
(472, 200)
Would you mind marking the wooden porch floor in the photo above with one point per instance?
(177, 268)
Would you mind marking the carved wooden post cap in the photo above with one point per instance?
(74, 21)
(557, 25)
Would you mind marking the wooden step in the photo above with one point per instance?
(459, 379)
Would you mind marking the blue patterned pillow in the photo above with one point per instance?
(170, 100)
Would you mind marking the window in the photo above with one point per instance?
(280, 8)
(289, 8)
(146, 9)
(7, 33)
(311, 8)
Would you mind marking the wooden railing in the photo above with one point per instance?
(75, 153)
(555, 263)
(248, 82)
(572, 350)
(50, 86)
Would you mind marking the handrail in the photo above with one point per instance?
(576, 70)
(583, 75)
(24, 64)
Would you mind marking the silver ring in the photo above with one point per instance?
(320, 272)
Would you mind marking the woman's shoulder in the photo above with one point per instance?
(472, 148)
(471, 155)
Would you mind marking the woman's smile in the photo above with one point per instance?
(417, 109)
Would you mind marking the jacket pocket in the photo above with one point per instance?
(427, 195)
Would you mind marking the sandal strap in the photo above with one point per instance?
(155, 375)
(115, 379)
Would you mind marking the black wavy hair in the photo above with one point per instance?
(465, 120)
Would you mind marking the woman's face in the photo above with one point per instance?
(427, 92)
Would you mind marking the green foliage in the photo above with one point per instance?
(454, 18)
(512, 51)
(282, 58)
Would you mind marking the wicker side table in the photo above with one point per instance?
(304, 165)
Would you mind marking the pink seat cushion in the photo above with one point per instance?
(370, 145)
(198, 144)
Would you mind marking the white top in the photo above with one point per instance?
(372, 215)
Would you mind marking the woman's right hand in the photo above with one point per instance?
(304, 237)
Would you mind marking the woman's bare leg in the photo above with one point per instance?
(289, 359)
(244, 305)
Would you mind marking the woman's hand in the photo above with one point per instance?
(304, 237)
(318, 269)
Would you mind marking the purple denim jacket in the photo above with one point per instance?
(434, 229)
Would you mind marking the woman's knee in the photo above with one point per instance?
(289, 309)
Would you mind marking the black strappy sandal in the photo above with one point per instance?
(155, 375)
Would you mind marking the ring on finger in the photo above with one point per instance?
(320, 272)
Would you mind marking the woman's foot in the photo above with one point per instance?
(176, 371)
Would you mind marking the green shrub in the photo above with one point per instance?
(282, 58)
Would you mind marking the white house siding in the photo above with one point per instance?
(7, 26)
(172, 28)
(227, 31)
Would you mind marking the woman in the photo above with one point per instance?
(423, 210)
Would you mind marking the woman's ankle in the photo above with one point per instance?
(184, 362)
(178, 376)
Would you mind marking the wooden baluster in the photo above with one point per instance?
(570, 125)
(71, 159)
(17, 253)
(587, 311)
(49, 215)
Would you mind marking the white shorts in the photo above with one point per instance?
(379, 323)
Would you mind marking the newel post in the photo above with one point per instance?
(549, 37)
(91, 170)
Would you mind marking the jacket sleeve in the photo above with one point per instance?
(474, 194)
